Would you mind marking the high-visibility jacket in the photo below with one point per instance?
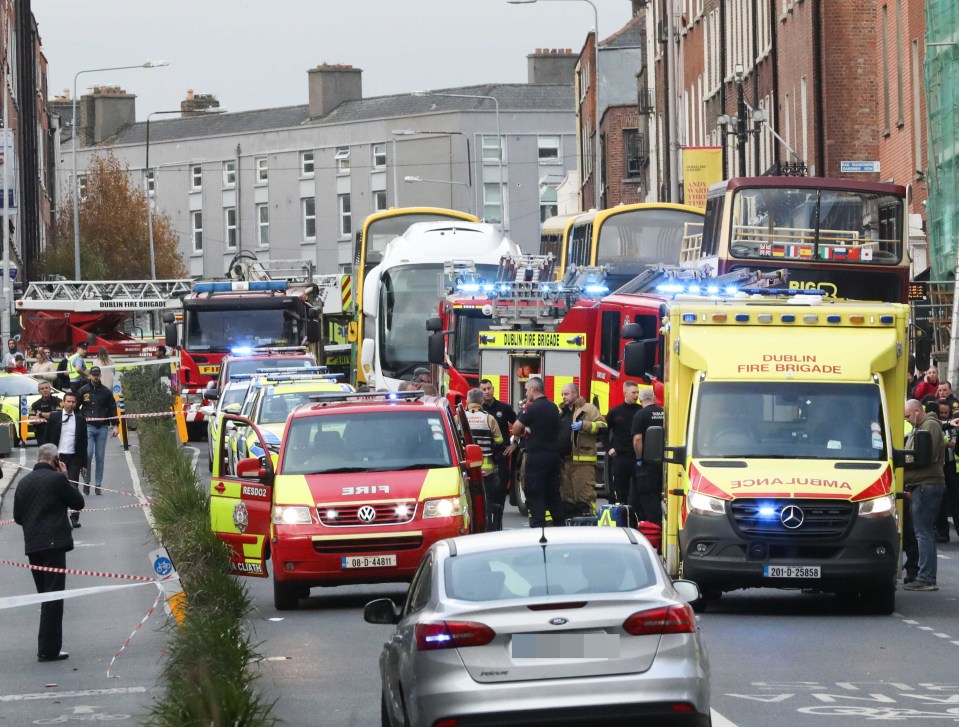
(486, 433)
(73, 371)
(584, 440)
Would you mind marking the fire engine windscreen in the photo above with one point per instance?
(409, 294)
(221, 329)
(631, 242)
(803, 420)
(365, 442)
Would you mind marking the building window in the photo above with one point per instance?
(306, 164)
(492, 203)
(342, 159)
(547, 203)
(229, 173)
(229, 226)
(346, 217)
(548, 149)
(263, 225)
(379, 200)
(262, 166)
(309, 218)
(492, 149)
(379, 156)
(196, 177)
(196, 230)
(636, 152)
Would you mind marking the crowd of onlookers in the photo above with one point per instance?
(43, 365)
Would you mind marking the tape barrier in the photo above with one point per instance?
(31, 599)
(145, 415)
(6, 522)
(80, 483)
(76, 572)
(132, 634)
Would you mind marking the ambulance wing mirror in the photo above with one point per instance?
(655, 452)
(919, 456)
(435, 348)
(434, 325)
(639, 358)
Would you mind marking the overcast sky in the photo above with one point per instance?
(255, 53)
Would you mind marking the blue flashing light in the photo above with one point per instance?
(438, 638)
(392, 396)
(489, 288)
(503, 288)
(767, 511)
(731, 290)
(469, 287)
(270, 437)
(279, 285)
(596, 289)
(669, 288)
(833, 319)
(241, 350)
(886, 319)
(712, 290)
(742, 317)
(789, 318)
(689, 317)
(693, 290)
(545, 287)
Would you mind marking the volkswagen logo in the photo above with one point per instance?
(558, 621)
(367, 514)
(791, 517)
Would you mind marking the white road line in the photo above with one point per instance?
(954, 642)
(942, 636)
(719, 720)
(62, 695)
(925, 628)
(196, 456)
(148, 514)
(910, 622)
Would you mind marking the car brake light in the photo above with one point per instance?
(667, 620)
(452, 635)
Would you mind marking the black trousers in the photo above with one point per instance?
(623, 469)
(646, 497)
(541, 484)
(950, 502)
(910, 547)
(495, 500)
(74, 465)
(50, 636)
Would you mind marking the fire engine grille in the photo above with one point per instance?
(379, 545)
(367, 513)
(815, 518)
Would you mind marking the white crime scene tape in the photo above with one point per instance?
(32, 599)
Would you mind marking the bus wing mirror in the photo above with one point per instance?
(435, 349)
(433, 325)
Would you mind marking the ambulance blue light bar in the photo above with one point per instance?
(231, 286)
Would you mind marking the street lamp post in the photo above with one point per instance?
(597, 182)
(739, 122)
(499, 141)
(76, 181)
(414, 180)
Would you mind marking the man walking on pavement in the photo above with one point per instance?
(540, 420)
(97, 403)
(41, 409)
(486, 433)
(583, 423)
(925, 486)
(647, 493)
(620, 458)
(77, 368)
(68, 431)
(40, 506)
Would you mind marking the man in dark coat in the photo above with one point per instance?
(40, 506)
(67, 430)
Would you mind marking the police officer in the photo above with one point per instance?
(97, 403)
(40, 410)
(487, 434)
(77, 368)
(540, 420)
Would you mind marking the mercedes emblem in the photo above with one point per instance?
(791, 517)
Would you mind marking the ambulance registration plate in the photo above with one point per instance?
(369, 561)
(792, 571)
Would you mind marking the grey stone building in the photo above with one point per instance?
(297, 182)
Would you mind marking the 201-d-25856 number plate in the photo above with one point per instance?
(368, 561)
(792, 571)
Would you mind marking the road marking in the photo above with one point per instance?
(64, 695)
(719, 720)
(942, 636)
(196, 456)
(147, 513)
(925, 628)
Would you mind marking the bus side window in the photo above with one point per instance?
(712, 229)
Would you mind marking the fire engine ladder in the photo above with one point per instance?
(334, 293)
(103, 295)
(527, 293)
(247, 267)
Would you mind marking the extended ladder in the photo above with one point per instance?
(97, 296)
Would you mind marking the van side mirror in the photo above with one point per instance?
(919, 456)
(655, 450)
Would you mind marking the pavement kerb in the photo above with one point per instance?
(11, 471)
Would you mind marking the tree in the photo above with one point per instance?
(114, 240)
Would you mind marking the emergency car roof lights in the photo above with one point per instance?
(294, 370)
(361, 395)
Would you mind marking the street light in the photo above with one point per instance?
(148, 175)
(499, 140)
(395, 133)
(597, 196)
(414, 180)
(738, 125)
(76, 181)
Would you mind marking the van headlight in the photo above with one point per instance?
(705, 505)
(291, 515)
(885, 505)
(443, 507)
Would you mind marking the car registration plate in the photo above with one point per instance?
(791, 571)
(369, 561)
(565, 646)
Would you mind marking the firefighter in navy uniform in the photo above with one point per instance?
(487, 434)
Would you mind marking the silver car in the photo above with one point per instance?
(571, 626)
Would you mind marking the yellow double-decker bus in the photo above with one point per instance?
(371, 241)
(627, 239)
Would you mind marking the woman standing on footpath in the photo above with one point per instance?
(106, 365)
(43, 368)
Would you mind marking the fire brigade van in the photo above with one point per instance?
(783, 419)
(364, 485)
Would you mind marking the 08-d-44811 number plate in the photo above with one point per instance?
(792, 571)
(368, 561)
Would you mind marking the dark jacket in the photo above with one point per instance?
(96, 401)
(932, 474)
(40, 505)
(55, 423)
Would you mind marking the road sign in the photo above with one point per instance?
(859, 167)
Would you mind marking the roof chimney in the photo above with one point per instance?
(551, 66)
(103, 112)
(196, 103)
(332, 85)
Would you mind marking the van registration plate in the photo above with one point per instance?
(792, 571)
(369, 561)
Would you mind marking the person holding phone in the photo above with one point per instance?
(67, 429)
(40, 505)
